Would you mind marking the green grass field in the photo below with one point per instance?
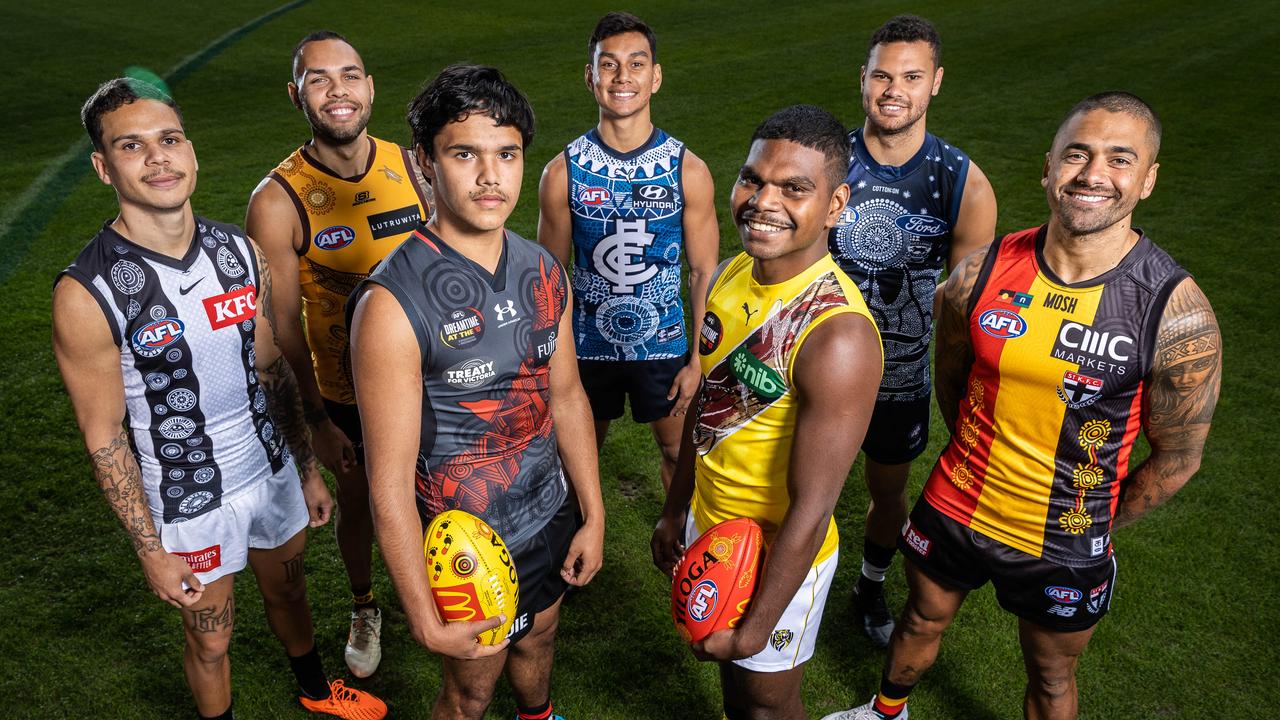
(1195, 622)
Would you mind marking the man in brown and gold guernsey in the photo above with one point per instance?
(1056, 347)
(325, 217)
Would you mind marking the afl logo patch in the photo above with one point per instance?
(702, 601)
(593, 196)
(1002, 324)
(711, 334)
(335, 237)
(848, 216)
(921, 225)
(151, 339)
(462, 328)
(1063, 594)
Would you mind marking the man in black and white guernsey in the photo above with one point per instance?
(190, 414)
(916, 205)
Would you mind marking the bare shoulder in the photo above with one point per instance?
(960, 283)
(843, 349)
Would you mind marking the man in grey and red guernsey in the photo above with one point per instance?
(469, 395)
(1056, 347)
(164, 322)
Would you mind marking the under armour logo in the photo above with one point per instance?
(747, 309)
(619, 258)
(505, 312)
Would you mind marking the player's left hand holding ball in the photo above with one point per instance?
(726, 645)
(586, 554)
(316, 494)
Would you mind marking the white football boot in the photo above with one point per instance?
(865, 712)
(364, 642)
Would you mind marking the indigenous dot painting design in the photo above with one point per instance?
(1086, 476)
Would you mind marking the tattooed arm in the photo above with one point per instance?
(285, 400)
(1184, 383)
(953, 350)
(90, 363)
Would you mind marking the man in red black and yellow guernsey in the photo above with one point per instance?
(791, 358)
(325, 217)
(1056, 346)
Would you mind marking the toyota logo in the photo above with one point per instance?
(653, 192)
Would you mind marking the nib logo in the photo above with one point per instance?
(231, 307)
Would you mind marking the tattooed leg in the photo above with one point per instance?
(207, 626)
(283, 584)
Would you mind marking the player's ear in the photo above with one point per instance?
(293, 95)
(1044, 171)
(424, 163)
(937, 81)
(100, 167)
(657, 77)
(862, 77)
(839, 199)
(1149, 182)
(371, 92)
(587, 78)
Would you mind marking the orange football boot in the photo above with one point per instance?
(348, 703)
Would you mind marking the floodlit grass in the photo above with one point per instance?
(1193, 627)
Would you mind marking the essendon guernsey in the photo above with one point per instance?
(1054, 401)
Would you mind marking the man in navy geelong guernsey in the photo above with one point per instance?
(468, 390)
(625, 200)
(916, 204)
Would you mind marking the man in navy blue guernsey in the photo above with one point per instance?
(624, 201)
(916, 204)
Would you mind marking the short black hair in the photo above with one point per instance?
(113, 94)
(460, 90)
(1119, 101)
(316, 36)
(908, 28)
(814, 128)
(617, 23)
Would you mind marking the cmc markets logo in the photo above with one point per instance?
(922, 225)
(1003, 324)
(702, 601)
(231, 307)
(150, 339)
(335, 237)
(594, 196)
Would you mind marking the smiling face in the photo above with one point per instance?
(333, 91)
(783, 204)
(1102, 163)
(623, 75)
(475, 169)
(146, 156)
(897, 83)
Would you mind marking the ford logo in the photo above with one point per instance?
(1003, 324)
(335, 238)
(1064, 595)
(922, 225)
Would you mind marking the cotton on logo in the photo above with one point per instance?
(231, 307)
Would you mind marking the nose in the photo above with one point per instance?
(157, 154)
(1093, 172)
(767, 198)
(488, 170)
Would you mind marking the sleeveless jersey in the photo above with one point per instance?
(1054, 400)
(627, 211)
(196, 413)
(348, 226)
(487, 443)
(893, 239)
(747, 412)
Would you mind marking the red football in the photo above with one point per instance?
(716, 579)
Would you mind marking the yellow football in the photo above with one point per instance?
(470, 572)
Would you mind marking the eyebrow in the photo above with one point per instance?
(1125, 149)
(322, 71)
(140, 136)
(638, 53)
(464, 147)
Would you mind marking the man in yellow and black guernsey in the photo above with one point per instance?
(325, 217)
(791, 360)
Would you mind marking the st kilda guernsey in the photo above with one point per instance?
(1054, 400)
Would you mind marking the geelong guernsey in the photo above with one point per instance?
(348, 226)
(1054, 401)
(197, 414)
(893, 239)
(487, 443)
(747, 412)
(627, 211)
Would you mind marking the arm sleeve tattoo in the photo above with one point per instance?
(1184, 384)
(117, 473)
(953, 351)
(281, 385)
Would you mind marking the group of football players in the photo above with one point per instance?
(378, 317)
